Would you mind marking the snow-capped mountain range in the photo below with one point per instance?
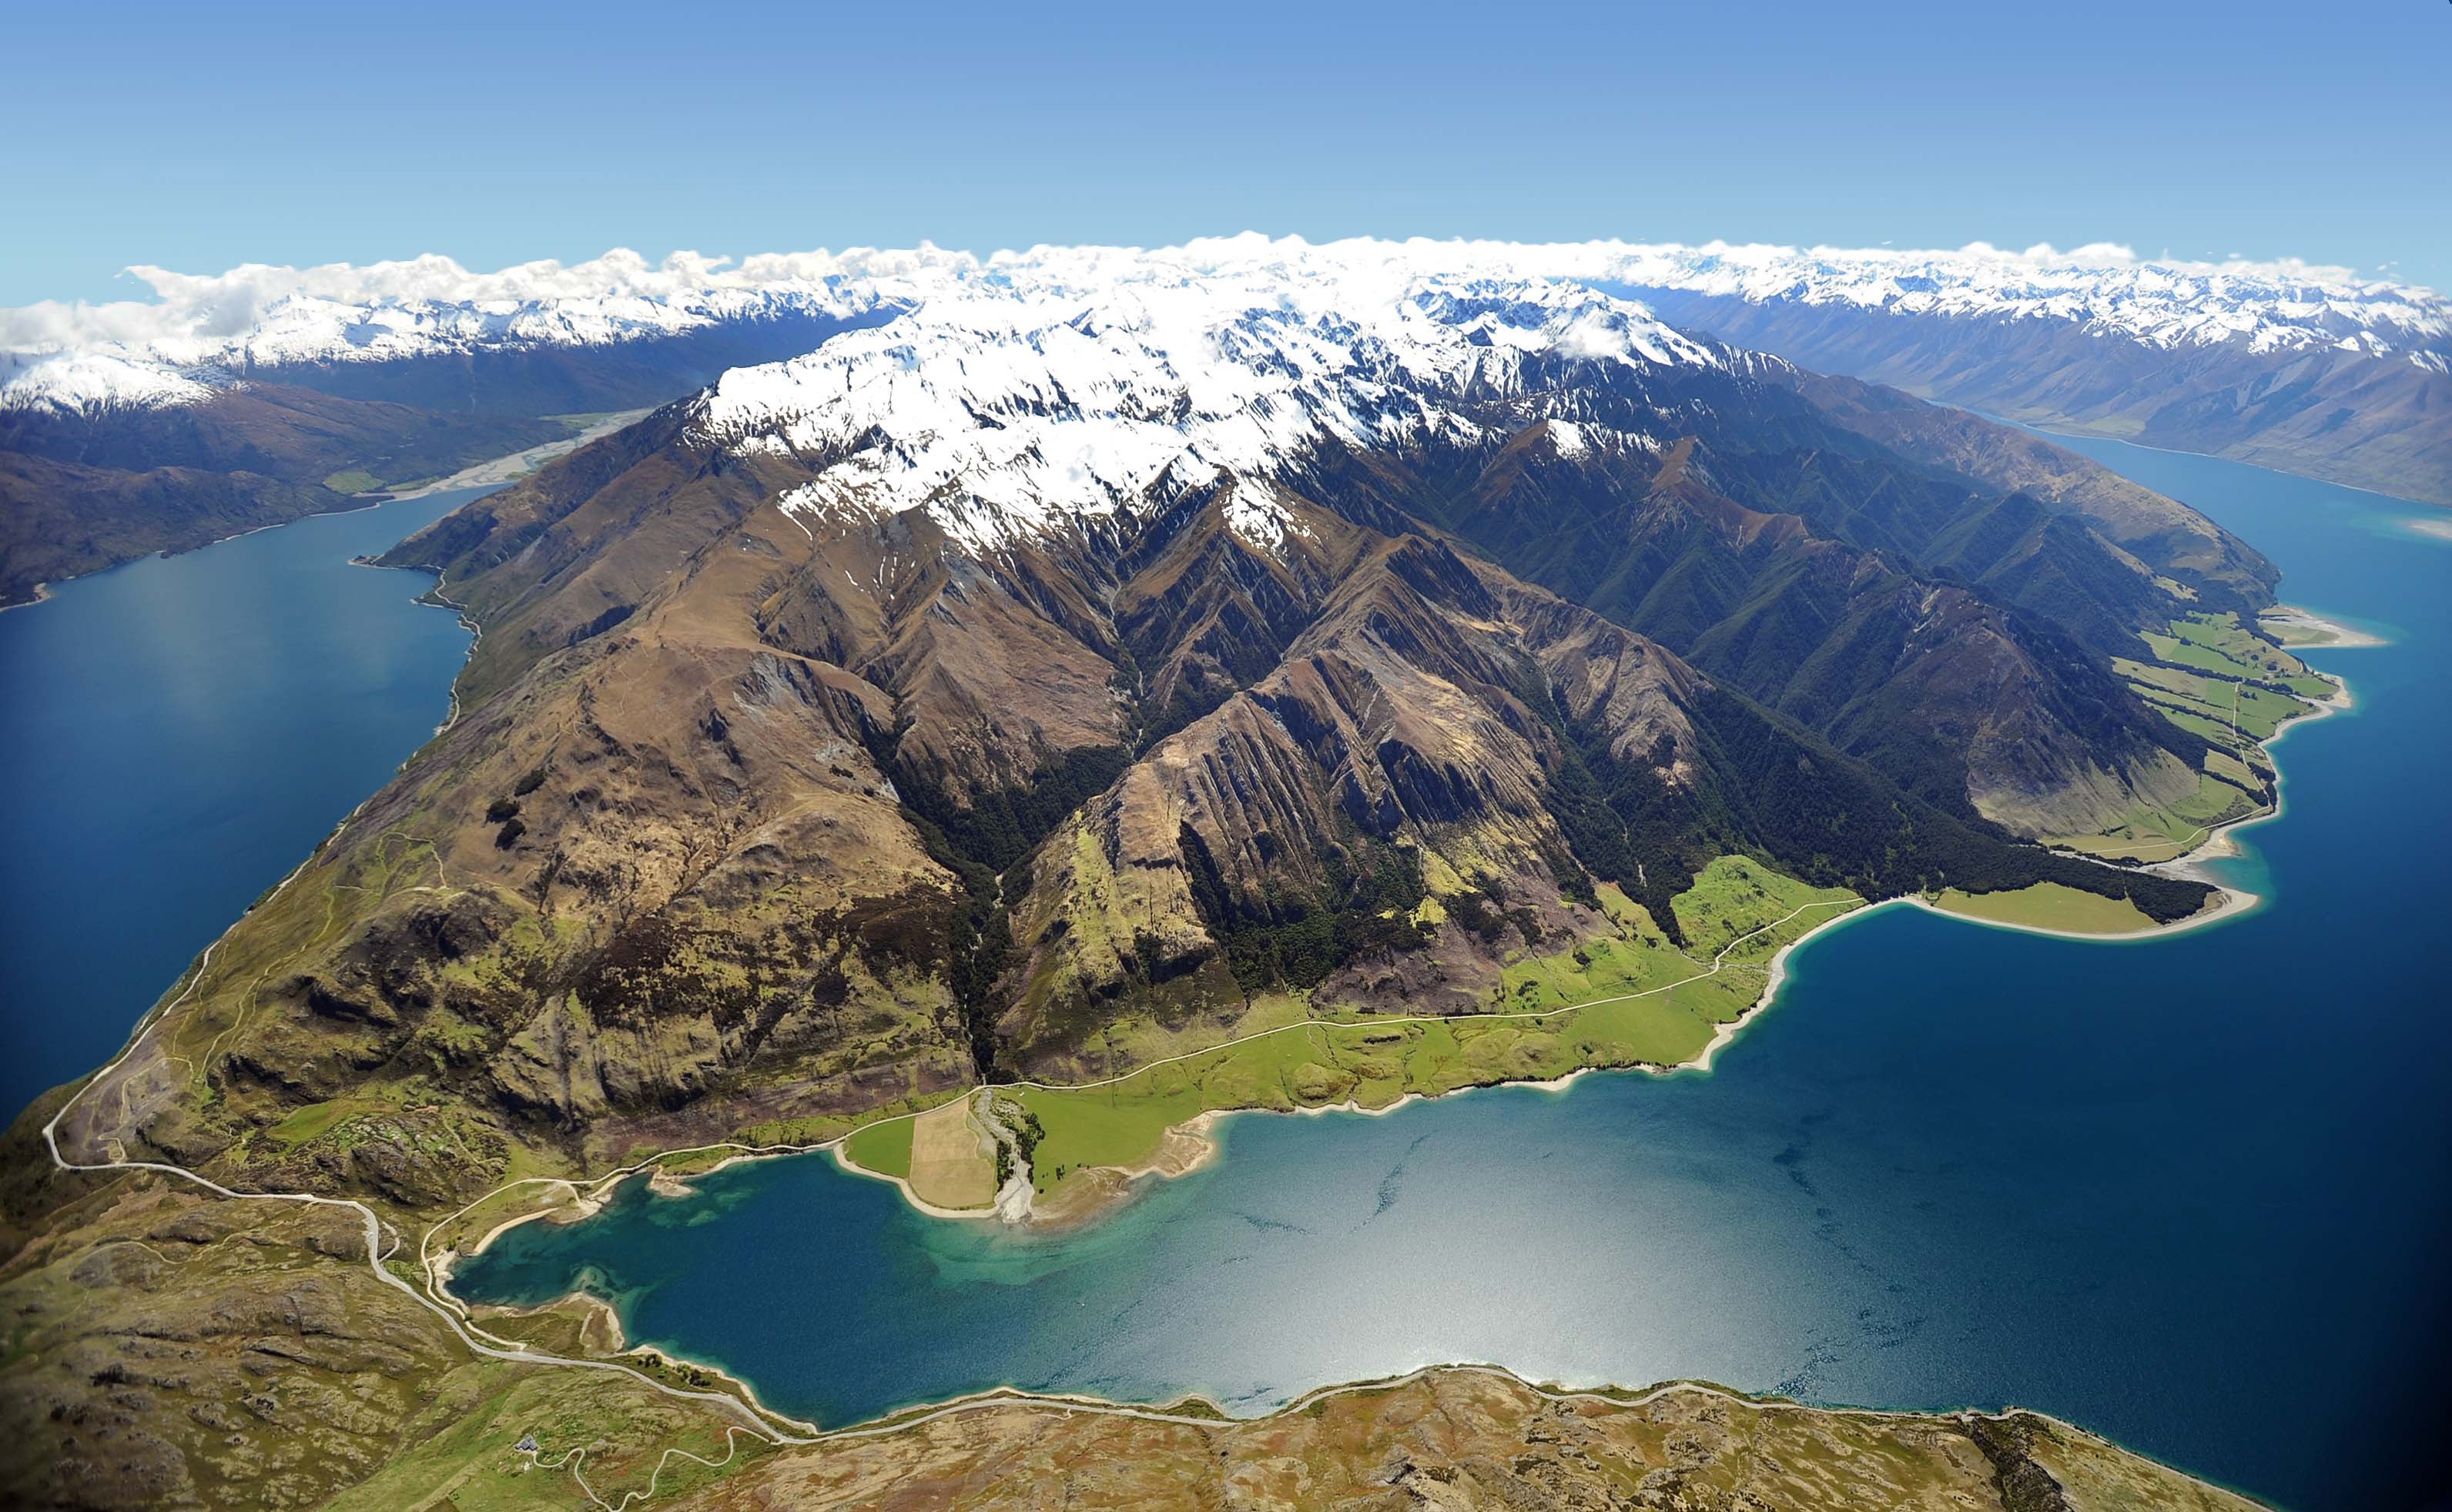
(1013, 402)
(2104, 290)
(206, 333)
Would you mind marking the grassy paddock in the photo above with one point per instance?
(1374, 1062)
(2235, 688)
(2161, 833)
(463, 1456)
(884, 1149)
(2220, 645)
(2050, 906)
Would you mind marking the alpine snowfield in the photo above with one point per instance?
(1065, 389)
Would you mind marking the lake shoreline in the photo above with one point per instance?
(2061, 429)
(2239, 903)
(1196, 1144)
(494, 472)
(2338, 636)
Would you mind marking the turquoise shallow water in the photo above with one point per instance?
(2189, 1193)
(180, 731)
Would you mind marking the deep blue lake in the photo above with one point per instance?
(2189, 1193)
(180, 733)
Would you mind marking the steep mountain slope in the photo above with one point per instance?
(65, 520)
(2214, 567)
(1879, 607)
(293, 434)
(903, 714)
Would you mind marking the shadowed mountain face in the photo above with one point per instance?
(2333, 412)
(1957, 638)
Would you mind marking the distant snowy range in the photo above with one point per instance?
(210, 332)
(204, 333)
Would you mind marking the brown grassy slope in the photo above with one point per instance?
(1467, 1440)
(656, 886)
(79, 494)
(169, 1350)
(64, 520)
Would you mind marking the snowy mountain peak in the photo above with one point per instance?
(88, 382)
(1062, 390)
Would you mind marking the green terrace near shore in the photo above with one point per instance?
(2049, 906)
(2232, 687)
(1627, 998)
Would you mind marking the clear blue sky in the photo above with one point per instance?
(197, 137)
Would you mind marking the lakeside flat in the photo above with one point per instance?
(2052, 907)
